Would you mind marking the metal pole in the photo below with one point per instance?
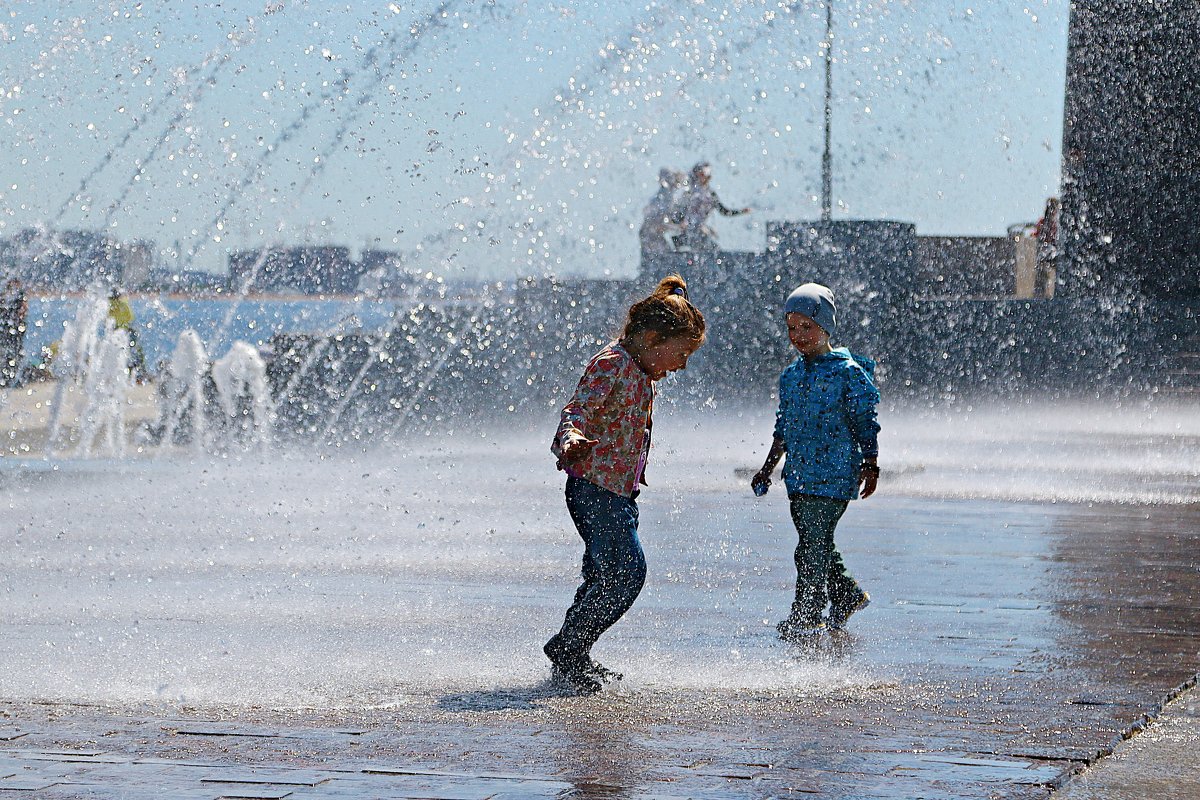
(827, 158)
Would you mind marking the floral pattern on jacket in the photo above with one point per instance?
(612, 404)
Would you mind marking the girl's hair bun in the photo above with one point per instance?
(667, 311)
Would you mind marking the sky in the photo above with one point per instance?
(501, 138)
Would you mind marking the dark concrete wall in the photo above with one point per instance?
(1131, 150)
(966, 266)
(929, 343)
(846, 255)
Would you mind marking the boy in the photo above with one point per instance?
(826, 424)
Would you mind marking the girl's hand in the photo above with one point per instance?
(868, 479)
(575, 450)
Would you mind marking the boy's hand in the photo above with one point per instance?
(762, 478)
(868, 479)
(575, 450)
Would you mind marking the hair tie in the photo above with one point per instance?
(679, 290)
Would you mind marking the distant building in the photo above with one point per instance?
(71, 260)
(138, 259)
(386, 273)
(859, 257)
(184, 281)
(303, 270)
(254, 270)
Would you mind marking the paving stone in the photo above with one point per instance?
(178, 763)
(279, 777)
(125, 792)
(201, 728)
(989, 770)
(70, 757)
(444, 786)
(43, 770)
(537, 792)
(19, 784)
(56, 755)
(437, 788)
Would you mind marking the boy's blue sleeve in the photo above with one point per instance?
(861, 399)
(780, 413)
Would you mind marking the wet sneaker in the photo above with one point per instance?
(794, 631)
(840, 615)
(603, 673)
(572, 669)
(578, 679)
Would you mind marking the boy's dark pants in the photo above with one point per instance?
(614, 567)
(821, 575)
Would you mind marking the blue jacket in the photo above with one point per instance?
(827, 422)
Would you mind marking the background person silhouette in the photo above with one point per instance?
(697, 203)
(662, 216)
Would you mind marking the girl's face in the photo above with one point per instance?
(658, 356)
(806, 336)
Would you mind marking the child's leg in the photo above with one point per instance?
(815, 519)
(614, 565)
(844, 591)
(588, 570)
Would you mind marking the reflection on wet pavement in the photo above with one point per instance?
(1008, 642)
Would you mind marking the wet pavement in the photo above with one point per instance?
(1008, 645)
(1161, 762)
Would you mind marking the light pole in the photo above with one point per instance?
(827, 157)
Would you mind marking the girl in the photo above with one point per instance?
(602, 443)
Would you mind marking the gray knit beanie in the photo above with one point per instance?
(815, 302)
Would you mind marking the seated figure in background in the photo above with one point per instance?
(660, 218)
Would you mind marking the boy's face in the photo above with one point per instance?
(806, 336)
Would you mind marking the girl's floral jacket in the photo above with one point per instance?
(612, 404)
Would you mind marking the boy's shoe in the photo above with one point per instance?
(572, 668)
(578, 679)
(603, 673)
(839, 615)
(795, 631)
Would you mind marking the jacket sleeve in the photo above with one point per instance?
(597, 383)
(861, 400)
(781, 412)
(725, 210)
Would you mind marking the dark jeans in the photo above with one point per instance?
(614, 567)
(821, 575)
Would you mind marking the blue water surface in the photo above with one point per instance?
(219, 322)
